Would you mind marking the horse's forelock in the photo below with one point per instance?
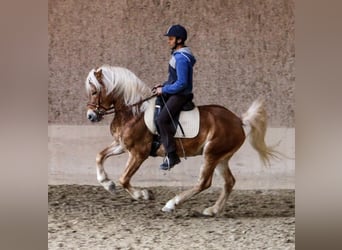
(92, 80)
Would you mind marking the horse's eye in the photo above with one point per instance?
(94, 93)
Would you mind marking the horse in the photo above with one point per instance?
(118, 91)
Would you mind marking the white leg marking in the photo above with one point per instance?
(177, 199)
(109, 186)
(145, 194)
(101, 175)
(118, 150)
(136, 194)
(169, 206)
(210, 211)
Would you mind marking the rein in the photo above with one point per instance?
(143, 100)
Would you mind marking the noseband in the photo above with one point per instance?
(99, 109)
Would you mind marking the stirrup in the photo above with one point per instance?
(167, 164)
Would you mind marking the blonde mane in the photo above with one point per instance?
(124, 82)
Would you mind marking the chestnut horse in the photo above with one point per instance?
(117, 90)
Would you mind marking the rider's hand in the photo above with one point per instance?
(157, 90)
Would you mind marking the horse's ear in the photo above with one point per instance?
(98, 73)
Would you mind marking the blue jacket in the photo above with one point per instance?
(180, 72)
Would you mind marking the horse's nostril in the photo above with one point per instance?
(91, 117)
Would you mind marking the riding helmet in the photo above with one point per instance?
(177, 31)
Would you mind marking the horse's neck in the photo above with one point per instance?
(122, 121)
(123, 114)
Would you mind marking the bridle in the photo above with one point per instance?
(100, 110)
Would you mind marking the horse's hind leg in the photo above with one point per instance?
(114, 149)
(204, 182)
(223, 170)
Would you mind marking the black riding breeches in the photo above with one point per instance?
(166, 122)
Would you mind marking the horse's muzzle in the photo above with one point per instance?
(93, 116)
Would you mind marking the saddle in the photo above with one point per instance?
(187, 122)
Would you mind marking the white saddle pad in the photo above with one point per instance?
(188, 119)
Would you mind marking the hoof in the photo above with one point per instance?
(167, 210)
(147, 194)
(209, 212)
(169, 207)
(110, 186)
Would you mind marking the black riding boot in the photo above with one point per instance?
(170, 161)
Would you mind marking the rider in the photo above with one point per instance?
(175, 92)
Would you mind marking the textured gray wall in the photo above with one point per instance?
(244, 49)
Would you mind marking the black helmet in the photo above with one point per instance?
(177, 31)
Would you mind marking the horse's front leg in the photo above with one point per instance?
(114, 149)
(133, 164)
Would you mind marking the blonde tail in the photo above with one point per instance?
(256, 118)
